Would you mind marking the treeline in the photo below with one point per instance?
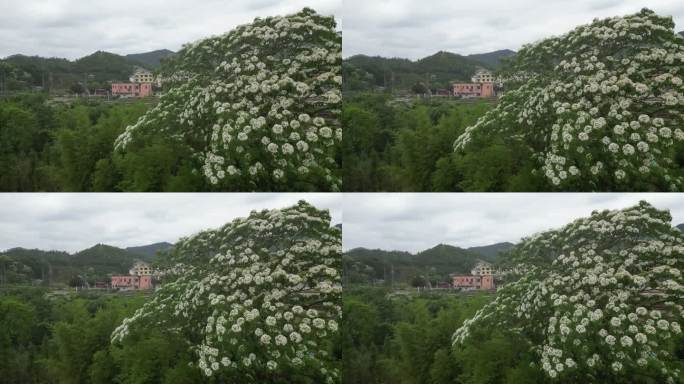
(441, 70)
(426, 268)
(98, 70)
(48, 147)
(390, 146)
(407, 339)
(54, 339)
(19, 266)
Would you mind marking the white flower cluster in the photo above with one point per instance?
(602, 106)
(259, 106)
(602, 296)
(263, 295)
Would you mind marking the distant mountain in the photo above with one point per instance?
(338, 226)
(152, 59)
(106, 257)
(54, 267)
(491, 252)
(680, 227)
(150, 251)
(681, 33)
(363, 265)
(492, 59)
(98, 69)
(105, 66)
(438, 71)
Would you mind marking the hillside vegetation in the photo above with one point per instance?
(362, 73)
(56, 268)
(430, 266)
(21, 73)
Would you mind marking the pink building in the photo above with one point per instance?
(139, 277)
(482, 277)
(132, 89)
(474, 282)
(467, 282)
(131, 282)
(474, 89)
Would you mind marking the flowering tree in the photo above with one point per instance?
(259, 106)
(601, 107)
(598, 299)
(256, 299)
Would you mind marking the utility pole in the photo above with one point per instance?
(85, 84)
(392, 82)
(392, 276)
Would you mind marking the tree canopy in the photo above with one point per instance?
(600, 108)
(598, 299)
(258, 106)
(256, 299)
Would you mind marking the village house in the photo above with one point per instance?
(132, 89)
(140, 85)
(483, 76)
(481, 277)
(139, 278)
(482, 85)
(142, 75)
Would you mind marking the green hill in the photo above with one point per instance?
(438, 71)
(151, 59)
(492, 59)
(491, 252)
(150, 251)
(23, 266)
(362, 266)
(104, 66)
(20, 73)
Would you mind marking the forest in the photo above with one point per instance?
(391, 338)
(55, 147)
(391, 146)
(65, 338)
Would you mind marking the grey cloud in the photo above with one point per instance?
(415, 29)
(413, 222)
(76, 28)
(73, 222)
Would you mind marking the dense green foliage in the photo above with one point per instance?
(389, 146)
(47, 338)
(391, 338)
(51, 147)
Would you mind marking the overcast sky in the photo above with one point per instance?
(415, 222)
(73, 222)
(76, 28)
(415, 29)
